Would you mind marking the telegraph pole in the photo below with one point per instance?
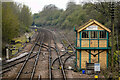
(117, 32)
(112, 38)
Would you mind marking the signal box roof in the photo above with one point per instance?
(91, 22)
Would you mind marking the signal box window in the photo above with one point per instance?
(85, 34)
(102, 34)
(94, 34)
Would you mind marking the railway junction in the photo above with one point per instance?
(50, 55)
(58, 44)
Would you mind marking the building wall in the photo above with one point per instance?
(78, 39)
(94, 59)
(84, 43)
(99, 28)
(102, 43)
(99, 58)
(93, 43)
(78, 59)
(103, 59)
(85, 57)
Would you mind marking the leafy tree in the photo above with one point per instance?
(77, 14)
(25, 17)
(10, 22)
(15, 20)
(48, 17)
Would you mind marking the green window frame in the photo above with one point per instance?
(103, 34)
(85, 34)
(94, 34)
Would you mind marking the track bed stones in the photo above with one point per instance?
(44, 67)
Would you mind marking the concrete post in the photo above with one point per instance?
(7, 53)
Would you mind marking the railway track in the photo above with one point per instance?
(55, 58)
(6, 66)
(50, 59)
(36, 60)
(59, 59)
(68, 42)
(64, 55)
(26, 65)
(70, 51)
(54, 52)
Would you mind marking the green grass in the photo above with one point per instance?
(117, 52)
(18, 45)
(23, 37)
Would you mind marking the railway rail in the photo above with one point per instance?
(37, 58)
(50, 59)
(64, 55)
(66, 48)
(61, 39)
(24, 67)
(59, 59)
(59, 56)
(6, 66)
(54, 55)
(69, 44)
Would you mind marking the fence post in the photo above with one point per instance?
(7, 53)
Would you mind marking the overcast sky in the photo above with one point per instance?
(37, 5)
